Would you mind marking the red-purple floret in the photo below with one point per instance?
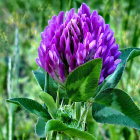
(83, 36)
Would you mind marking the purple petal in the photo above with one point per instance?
(38, 62)
(84, 9)
(81, 54)
(117, 61)
(62, 72)
(111, 70)
(92, 44)
(101, 80)
(60, 18)
(72, 65)
(68, 50)
(117, 55)
(69, 15)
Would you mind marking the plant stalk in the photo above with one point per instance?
(10, 113)
(57, 99)
(84, 114)
(77, 110)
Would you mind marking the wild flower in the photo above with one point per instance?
(81, 37)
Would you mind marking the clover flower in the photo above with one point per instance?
(81, 37)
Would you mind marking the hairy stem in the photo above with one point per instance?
(84, 114)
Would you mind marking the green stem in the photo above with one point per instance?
(59, 137)
(46, 86)
(90, 121)
(77, 110)
(70, 4)
(1, 133)
(129, 72)
(136, 134)
(16, 62)
(122, 84)
(69, 101)
(10, 112)
(49, 136)
(62, 136)
(57, 99)
(84, 114)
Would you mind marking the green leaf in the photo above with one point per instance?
(40, 78)
(50, 103)
(83, 81)
(90, 122)
(32, 106)
(52, 86)
(135, 52)
(40, 128)
(114, 106)
(56, 125)
(112, 80)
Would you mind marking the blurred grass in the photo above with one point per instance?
(30, 18)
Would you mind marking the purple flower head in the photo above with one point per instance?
(83, 36)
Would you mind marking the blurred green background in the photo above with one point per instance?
(21, 23)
